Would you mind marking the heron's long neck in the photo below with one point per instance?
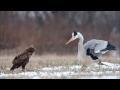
(80, 44)
(81, 40)
(81, 50)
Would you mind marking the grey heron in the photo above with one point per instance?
(94, 48)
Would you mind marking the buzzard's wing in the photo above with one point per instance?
(20, 58)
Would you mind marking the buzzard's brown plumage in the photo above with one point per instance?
(22, 59)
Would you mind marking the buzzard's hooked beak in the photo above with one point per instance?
(70, 41)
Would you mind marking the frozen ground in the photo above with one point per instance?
(93, 71)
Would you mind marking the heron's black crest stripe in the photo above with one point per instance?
(75, 33)
(89, 54)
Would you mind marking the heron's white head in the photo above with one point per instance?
(75, 35)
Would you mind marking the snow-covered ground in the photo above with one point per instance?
(93, 71)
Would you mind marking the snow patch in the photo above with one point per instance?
(110, 71)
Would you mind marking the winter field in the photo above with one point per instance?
(61, 67)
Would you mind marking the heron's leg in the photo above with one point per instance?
(83, 67)
(99, 62)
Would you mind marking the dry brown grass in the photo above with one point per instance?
(37, 61)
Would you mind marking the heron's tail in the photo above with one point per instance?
(110, 46)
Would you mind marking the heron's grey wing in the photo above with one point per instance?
(90, 44)
(96, 48)
(97, 45)
(100, 46)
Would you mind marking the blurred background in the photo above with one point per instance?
(48, 31)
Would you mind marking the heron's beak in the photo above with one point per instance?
(70, 41)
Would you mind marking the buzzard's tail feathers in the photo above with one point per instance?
(15, 66)
(12, 68)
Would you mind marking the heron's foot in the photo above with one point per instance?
(101, 63)
(83, 67)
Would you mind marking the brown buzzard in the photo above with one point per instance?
(22, 59)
